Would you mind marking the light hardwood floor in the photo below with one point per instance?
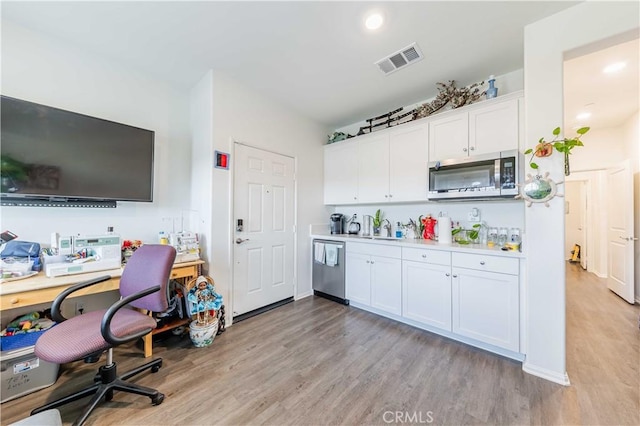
(314, 362)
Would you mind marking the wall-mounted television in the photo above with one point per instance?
(50, 156)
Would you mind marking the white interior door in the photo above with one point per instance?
(263, 252)
(620, 232)
(575, 220)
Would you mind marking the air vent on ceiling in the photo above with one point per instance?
(400, 59)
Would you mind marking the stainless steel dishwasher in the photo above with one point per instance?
(328, 277)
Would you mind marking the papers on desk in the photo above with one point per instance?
(27, 275)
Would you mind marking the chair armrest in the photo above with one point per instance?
(56, 306)
(105, 327)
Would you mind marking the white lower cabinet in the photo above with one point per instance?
(426, 293)
(374, 276)
(472, 297)
(358, 278)
(386, 284)
(486, 304)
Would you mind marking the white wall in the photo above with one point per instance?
(44, 70)
(508, 214)
(603, 148)
(506, 83)
(236, 112)
(546, 41)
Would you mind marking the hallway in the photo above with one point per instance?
(603, 351)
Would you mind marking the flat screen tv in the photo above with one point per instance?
(50, 156)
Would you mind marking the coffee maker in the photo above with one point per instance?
(337, 223)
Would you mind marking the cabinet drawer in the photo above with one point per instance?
(437, 257)
(374, 249)
(184, 272)
(481, 262)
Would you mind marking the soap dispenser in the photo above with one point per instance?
(398, 230)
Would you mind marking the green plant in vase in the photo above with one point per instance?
(377, 222)
(564, 145)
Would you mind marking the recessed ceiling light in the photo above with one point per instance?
(583, 116)
(615, 67)
(374, 21)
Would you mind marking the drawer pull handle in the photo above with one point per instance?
(14, 301)
(447, 274)
(455, 276)
(367, 261)
(482, 262)
(424, 256)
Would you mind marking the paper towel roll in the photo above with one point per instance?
(444, 230)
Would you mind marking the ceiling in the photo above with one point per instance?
(315, 57)
(610, 98)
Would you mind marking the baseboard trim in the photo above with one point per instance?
(262, 310)
(304, 295)
(552, 376)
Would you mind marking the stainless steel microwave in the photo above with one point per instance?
(483, 176)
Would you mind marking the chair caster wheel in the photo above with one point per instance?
(157, 399)
(155, 368)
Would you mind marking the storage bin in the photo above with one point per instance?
(22, 372)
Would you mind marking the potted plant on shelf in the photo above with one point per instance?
(204, 303)
(564, 145)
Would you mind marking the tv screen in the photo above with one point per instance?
(50, 153)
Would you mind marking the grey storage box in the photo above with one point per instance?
(22, 372)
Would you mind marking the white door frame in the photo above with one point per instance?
(232, 224)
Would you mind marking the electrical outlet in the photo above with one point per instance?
(80, 308)
(474, 215)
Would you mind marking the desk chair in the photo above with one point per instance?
(143, 285)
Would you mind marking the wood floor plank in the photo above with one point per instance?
(315, 362)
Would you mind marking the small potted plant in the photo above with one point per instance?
(377, 222)
(564, 145)
(204, 303)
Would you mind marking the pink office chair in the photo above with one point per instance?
(144, 285)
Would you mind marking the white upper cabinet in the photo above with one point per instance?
(391, 165)
(341, 173)
(490, 126)
(449, 137)
(373, 168)
(408, 164)
(494, 128)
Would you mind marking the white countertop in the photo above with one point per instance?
(419, 243)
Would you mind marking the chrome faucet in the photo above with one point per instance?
(387, 226)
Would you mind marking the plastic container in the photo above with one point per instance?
(12, 267)
(22, 373)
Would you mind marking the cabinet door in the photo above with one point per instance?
(486, 308)
(426, 293)
(386, 284)
(358, 278)
(494, 128)
(373, 168)
(341, 173)
(449, 137)
(408, 164)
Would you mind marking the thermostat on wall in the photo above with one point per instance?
(221, 160)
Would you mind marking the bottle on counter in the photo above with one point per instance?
(398, 230)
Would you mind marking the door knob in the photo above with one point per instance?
(240, 240)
